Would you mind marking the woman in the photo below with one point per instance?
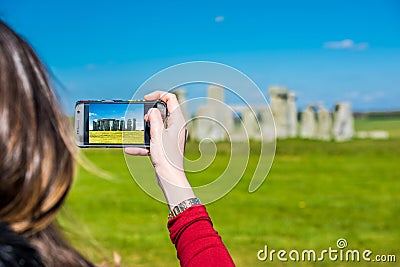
(37, 163)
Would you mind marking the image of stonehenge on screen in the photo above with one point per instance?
(108, 124)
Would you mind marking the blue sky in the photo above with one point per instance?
(118, 112)
(326, 51)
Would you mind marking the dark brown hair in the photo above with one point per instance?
(36, 152)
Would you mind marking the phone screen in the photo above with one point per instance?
(114, 123)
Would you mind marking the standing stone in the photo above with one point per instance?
(215, 103)
(214, 113)
(115, 124)
(308, 125)
(133, 124)
(324, 123)
(227, 121)
(292, 115)
(203, 124)
(106, 125)
(251, 124)
(217, 117)
(122, 125)
(95, 125)
(267, 125)
(129, 125)
(101, 125)
(181, 96)
(215, 92)
(279, 108)
(343, 122)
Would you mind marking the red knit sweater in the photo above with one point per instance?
(196, 241)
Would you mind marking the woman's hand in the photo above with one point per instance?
(167, 148)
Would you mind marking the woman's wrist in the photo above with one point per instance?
(173, 176)
(175, 186)
(175, 195)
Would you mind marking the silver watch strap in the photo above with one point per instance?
(184, 205)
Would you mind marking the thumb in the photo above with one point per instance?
(156, 124)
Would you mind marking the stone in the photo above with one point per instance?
(279, 108)
(122, 125)
(251, 124)
(382, 135)
(343, 122)
(181, 96)
(324, 127)
(214, 120)
(204, 124)
(129, 125)
(267, 125)
(308, 124)
(115, 124)
(292, 115)
(284, 110)
(95, 125)
(134, 124)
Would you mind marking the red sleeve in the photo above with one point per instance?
(196, 241)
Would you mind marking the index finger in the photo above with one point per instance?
(168, 98)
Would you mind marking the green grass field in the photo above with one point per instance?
(315, 193)
(115, 137)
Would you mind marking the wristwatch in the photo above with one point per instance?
(184, 205)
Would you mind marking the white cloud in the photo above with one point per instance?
(92, 114)
(219, 19)
(346, 44)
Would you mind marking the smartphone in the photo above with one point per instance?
(114, 123)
